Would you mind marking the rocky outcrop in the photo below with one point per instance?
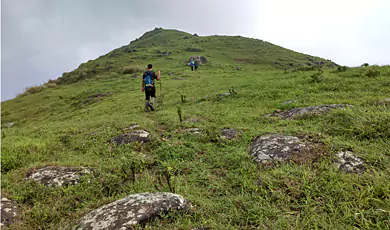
(131, 210)
(141, 136)
(269, 148)
(311, 110)
(58, 176)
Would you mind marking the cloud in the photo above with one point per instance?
(41, 39)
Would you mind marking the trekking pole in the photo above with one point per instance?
(161, 94)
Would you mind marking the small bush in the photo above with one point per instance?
(317, 77)
(342, 68)
(130, 70)
(51, 85)
(194, 49)
(34, 89)
(365, 65)
(373, 72)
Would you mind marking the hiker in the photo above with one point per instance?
(192, 65)
(196, 65)
(150, 88)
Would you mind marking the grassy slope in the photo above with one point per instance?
(228, 190)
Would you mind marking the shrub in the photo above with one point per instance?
(373, 72)
(130, 70)
(34, 89)
(342, 68)
(51, 85)
(317, 77)
(365, 65)
(194, 49)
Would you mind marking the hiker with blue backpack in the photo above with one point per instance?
(192, 65)
(149, 87)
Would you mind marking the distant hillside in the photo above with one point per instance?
(171, 47)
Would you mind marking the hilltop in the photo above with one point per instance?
(173, 48)
(269, 139)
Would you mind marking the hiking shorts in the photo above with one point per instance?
(150, 92)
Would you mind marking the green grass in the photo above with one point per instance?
(228, 190)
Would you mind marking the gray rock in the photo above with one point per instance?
(348, 162)
(141, 136)
(229, 134)
(288, 102)
(10, 212)
(269, 148)
(311, 110)
(133, 126)
(194, 131)
(9, 125)
(193, 120)
(224, 94)
(131, 210)
(171, 73)
(54, 176)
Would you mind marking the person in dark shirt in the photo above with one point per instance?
(149, 87)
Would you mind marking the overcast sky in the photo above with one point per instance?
(41, 39)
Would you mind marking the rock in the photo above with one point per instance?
(348, 162)
(195, 35)
(312, 110)
(10, 212)
(9, 125)
(141, 136)
(276, 63)
(288, 102)
(194, 120)
(384, 101)
(133, 126)
(171, 73)
(58, 176)
(270, 148)
(229, 134)
(194, 131)
(238, 68)
(224, 94)
(131, 210)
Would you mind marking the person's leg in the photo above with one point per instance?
(147, 99)
(153, 98)
(192, 68)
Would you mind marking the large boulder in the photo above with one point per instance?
(311, 110)
(58, 176)
(269, 148)
(141, 136)
(131, 210)
(348, 162)
(10, 212)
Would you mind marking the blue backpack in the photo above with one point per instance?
(148, 80)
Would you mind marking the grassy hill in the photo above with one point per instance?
(71, 122)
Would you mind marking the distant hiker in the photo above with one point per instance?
(196, 65)
(192, 65)
(149, 87)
